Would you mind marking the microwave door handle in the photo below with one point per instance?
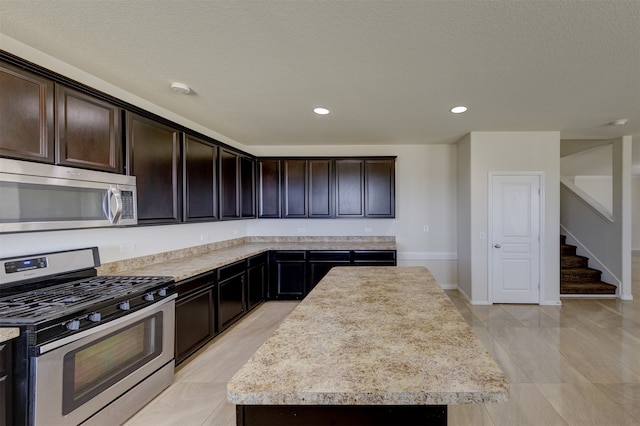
(112, 205)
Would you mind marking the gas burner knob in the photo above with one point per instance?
(73, 325)
(148, 297)
(124, 306)
(162, 292)
(94, 317)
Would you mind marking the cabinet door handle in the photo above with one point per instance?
(497, 246)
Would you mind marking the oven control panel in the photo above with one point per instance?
(12, 267)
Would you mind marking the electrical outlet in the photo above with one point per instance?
(302, 230)
(425, 228)
(368, 230)
(204, 237)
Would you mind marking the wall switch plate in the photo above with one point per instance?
(426, 228)
(483, 235)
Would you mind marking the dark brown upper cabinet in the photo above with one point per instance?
(380, 186)
(269, 188)
(26, 115)
(247, 187)
(229, 185)
(294, 188)
(320, 188)
(154, 159)
(307, 188)
(365, 187)
(237, 186)
(326, 187)
(88, 131)
(200, 180)
(349, 188)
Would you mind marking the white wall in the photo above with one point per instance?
(122, 243)
(513, 152)
(635, 212)
(598, 187)
(464, 217)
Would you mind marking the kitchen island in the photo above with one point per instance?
(369, 345)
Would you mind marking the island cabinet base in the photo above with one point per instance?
(339, 415)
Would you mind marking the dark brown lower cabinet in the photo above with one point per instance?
(374, 258)
(293, 274)
(195, 314)
(256, 280)
(341, 415)
(231, 293)
(6, 417)
(321, 262)
(288, 275)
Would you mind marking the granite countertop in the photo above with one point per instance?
(183, 264)
(371, 336)
(8, 333)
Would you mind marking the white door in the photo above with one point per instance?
(515, 239)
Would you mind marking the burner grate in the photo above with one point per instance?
(60, 299)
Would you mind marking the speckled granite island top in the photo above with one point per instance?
(8, 333)
(371, 336)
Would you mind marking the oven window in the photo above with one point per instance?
(96, 366)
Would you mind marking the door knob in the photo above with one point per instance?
(497, 246)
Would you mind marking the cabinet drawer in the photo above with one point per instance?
(330, 255)
(374, 255)
(290, 255)
(191, 285)
(229, 271)
(257, 260)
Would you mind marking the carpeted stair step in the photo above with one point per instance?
(586, 288)
(568, 261)
(577, 275)
(567, 249)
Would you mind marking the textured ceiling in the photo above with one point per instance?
(388, 70)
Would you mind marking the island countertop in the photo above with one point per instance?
(8, 333)
(371, 336)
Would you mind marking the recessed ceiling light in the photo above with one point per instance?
(459, 109)
(321, 111)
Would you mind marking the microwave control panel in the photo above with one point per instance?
(128, 211)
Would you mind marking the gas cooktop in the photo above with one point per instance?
(62, 299)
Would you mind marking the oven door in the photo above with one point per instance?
(78, 379)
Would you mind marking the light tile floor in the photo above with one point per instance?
(577, 364)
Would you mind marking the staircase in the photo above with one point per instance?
(576, 277)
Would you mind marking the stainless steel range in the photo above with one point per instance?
(92, 349)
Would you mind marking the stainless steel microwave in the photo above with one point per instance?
(36, 197)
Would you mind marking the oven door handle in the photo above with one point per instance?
(109, 324)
